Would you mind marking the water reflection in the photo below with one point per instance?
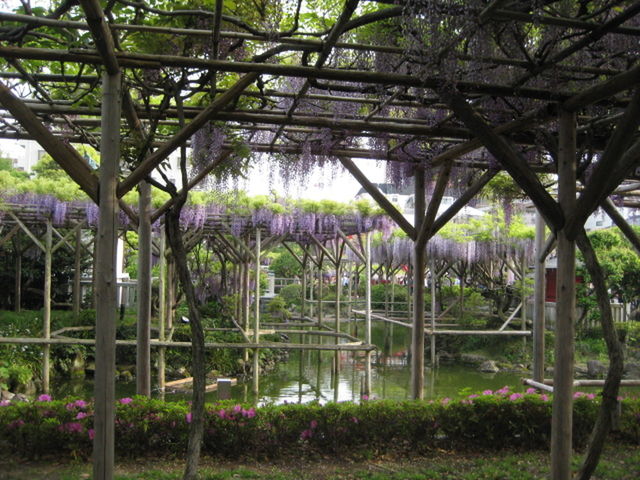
(325, 376)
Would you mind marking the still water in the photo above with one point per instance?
(308, 376)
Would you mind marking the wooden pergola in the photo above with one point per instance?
(431, 87)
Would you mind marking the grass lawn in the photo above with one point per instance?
(619, 462)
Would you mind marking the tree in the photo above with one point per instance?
(621, 266)
(285, 265)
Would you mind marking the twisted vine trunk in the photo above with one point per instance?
(616, 361)
(196, 427)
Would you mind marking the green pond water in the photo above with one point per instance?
(307, 375)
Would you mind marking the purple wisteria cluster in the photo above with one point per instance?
(295, 222)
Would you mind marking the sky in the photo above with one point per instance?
(328, 183)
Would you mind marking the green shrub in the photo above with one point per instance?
(291, 294)
(487, 421)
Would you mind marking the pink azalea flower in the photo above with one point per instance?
(80, 403)
(126, 400)
(515, 396)
(189, 417)
(531, 390)
(313, 424)
(4, 403)
(249, 413)
(544, 397)
(92, 433)
(487, 392)
(503, 391)
(237, 409)
(306, 434)
(445, 401)
(44, 398)
(81, 415)
(354, 419)
(222, 414)
(73, 427)
(591, 396)
(365, 397)
(474, 395)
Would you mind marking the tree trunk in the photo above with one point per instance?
(196, 427)
(616, 361)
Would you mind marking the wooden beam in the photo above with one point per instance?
(101, 34)
(462, 201)
(347, 347)
(539, 115)
(192, 183)
(378, 197)
(153, 160)
(617, 159)
(64, 154)
(351, 246)
(324, 249)
(434, 205)
(139, 60)
(29, 233)
(622, 224)
(9, 235)
(507, 155)
(604, 90)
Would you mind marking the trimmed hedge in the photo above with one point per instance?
(488, 421)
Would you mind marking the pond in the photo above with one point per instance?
(307, 376)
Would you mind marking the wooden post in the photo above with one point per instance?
(432, 338)
(77, 274)
(336, 324)
(171, 290)
(17, 297)
(47, 306)
(143, 348)
(417, 344)
(320, 285)
(367, 314)
(539, 302)
(304, 291)
(246, 307)
(162, 309)
(311, 278)
(524, 296)
(562, 416)
(104, 389)
(256, 321)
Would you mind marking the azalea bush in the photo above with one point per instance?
(485, 421)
